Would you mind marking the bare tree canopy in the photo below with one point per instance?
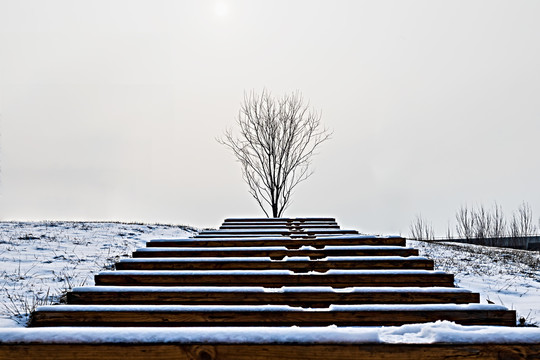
(276, 141)
(481, 223)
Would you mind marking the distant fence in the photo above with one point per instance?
(522, 242)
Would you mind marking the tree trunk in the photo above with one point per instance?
(275, 210)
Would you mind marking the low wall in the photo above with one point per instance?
(523, 242)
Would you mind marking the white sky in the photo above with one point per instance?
(109, 110)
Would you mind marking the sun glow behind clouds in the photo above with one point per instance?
(221, 9)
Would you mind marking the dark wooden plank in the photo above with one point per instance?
(296, 266)
(281, 223)
(410, 278)
(296, 298)
(278, 226)
(273, 232)
(225, 236)
(287, 242)
(274, 254)
(269, 220)
(190, 351)
(268, 318)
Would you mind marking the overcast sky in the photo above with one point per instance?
(109, 110)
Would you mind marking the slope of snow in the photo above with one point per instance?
(41, 260)
(506, 277)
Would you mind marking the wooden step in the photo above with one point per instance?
(264, 223)
(281, 227)
(166, 350)
(277, 278)
(269, 315)
(300, 264)
(227, 236)
(293, 296)
(318, 243)
(270, 220)
(274, 232)
(275, 252)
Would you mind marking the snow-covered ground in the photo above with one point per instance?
(506, 277)
(39, 261)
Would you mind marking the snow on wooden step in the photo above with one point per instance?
(260, 289)
(190, 239)
(266, 219)
(271, 248)
(202, 259)
(270, 308)
(277, 238)
(373, 258)
(357, 237)
(285, 259)
(428, 333)
(271, 232)
(270, 272)
(283, 237)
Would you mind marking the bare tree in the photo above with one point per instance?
(465, 222)
(449, 232)
(522, 222)
(276, 141)
(421, 230)
(482, 222)
(498, 222)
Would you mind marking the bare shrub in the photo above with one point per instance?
(522, 222)
(498, 222)
(483, 226)
(481, 223)
(421, 230)
(449, 232)
(465, 222)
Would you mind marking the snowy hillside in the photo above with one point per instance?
(506, 277)
(39, 261)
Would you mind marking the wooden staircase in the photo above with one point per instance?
(273, 272)
(254, 273)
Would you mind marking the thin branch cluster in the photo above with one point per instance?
(276, 141)
(421, 230)
(481, 223)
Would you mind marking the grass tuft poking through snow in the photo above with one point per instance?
(41, 261)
